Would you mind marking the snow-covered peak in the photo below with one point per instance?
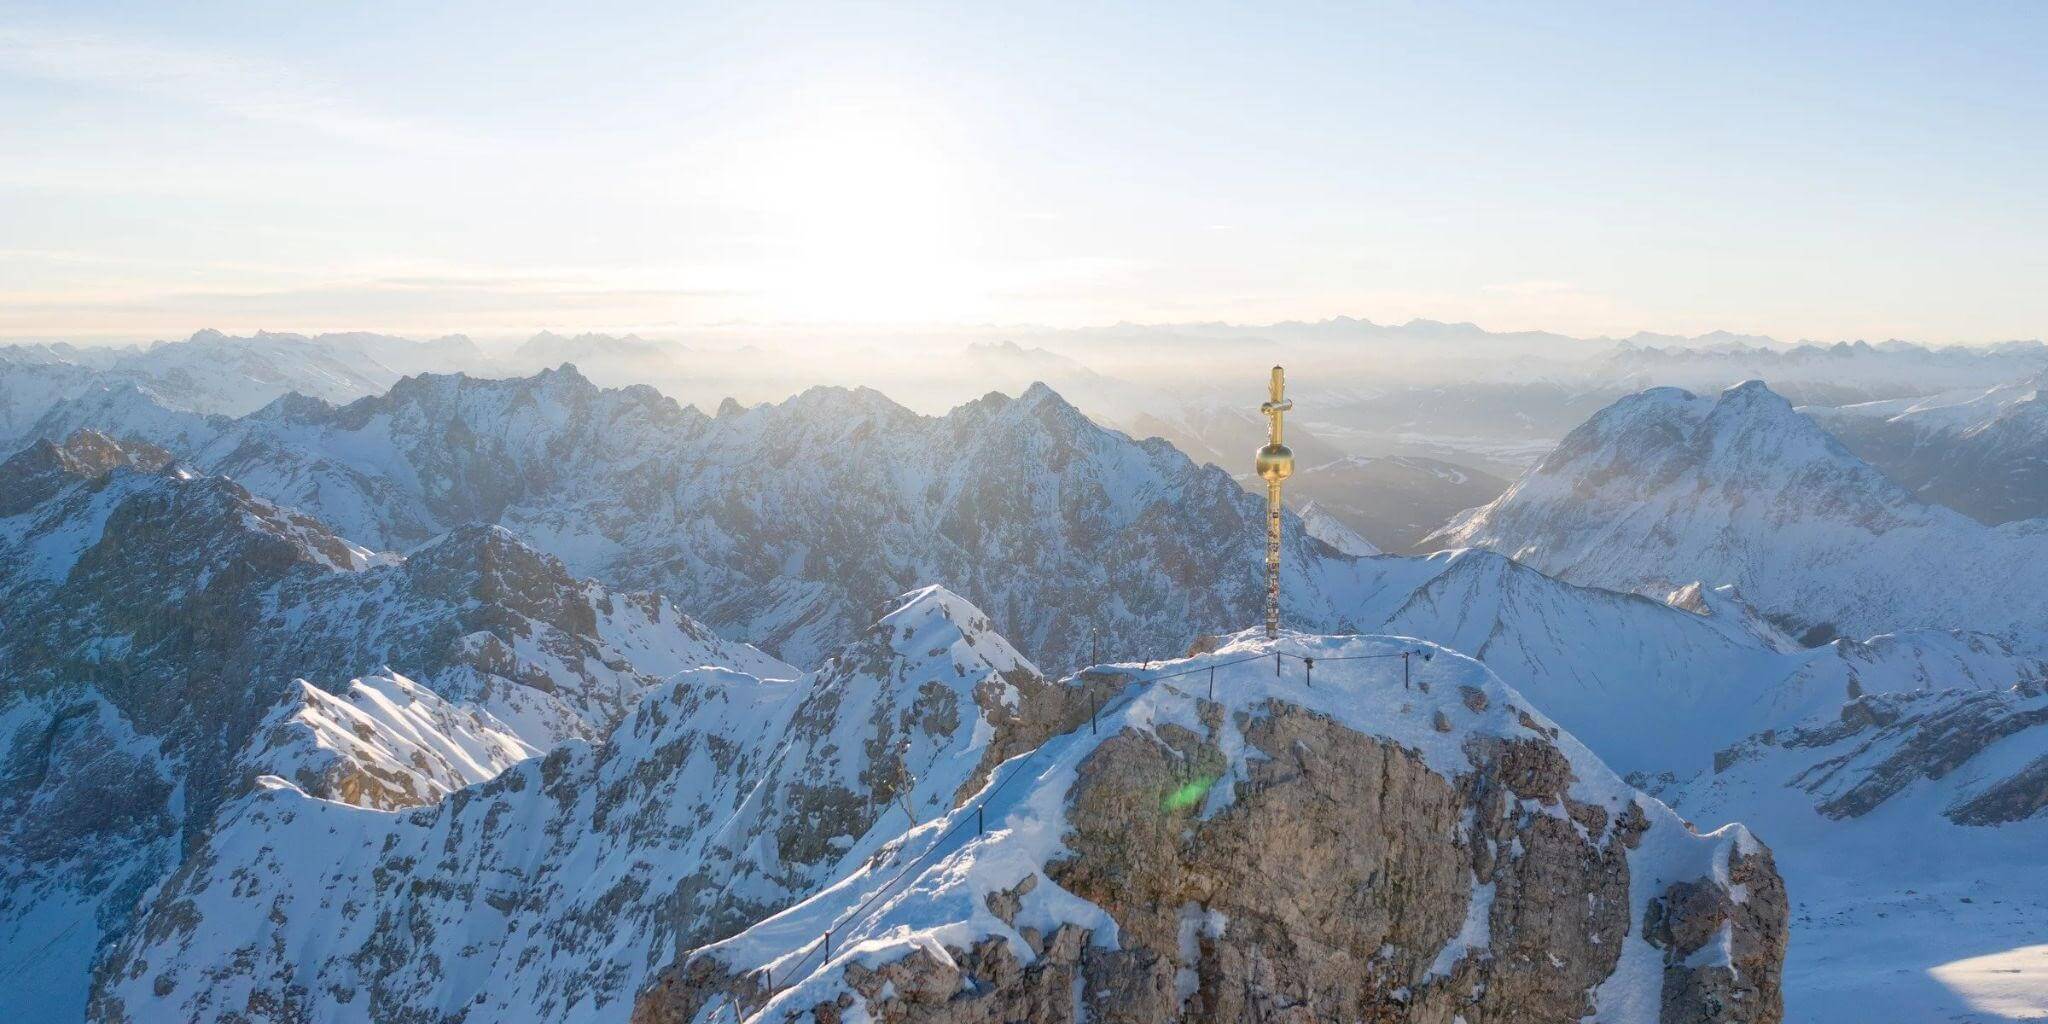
(1326, 528)
(826, 400)
(383, 742)
(133, 413)
(106, 509)
(1137, 864)
(719, 799)
(82, 455)
(933, 619)
(1656, 437)
(1664, 487)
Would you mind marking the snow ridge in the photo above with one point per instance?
(1666, 487)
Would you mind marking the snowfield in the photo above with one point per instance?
(1908, 829)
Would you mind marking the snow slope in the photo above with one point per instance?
(1981, 451)
(1909, 829)
(384, 742)
(1666, 487)
(152, 618)
(548, 893)
(1327, 528)
(1657, 686)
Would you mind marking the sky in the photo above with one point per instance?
(1807, 171)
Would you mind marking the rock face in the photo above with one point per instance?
(1665, 487)
(1283, 852)
(152, 618)
(549, 892)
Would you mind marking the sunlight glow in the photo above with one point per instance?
(865, 215)
(2012, 984)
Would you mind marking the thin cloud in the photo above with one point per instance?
(254, 90)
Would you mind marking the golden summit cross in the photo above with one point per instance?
(1276, 464)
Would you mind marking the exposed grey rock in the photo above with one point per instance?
(1342, 878)
(1750, 933)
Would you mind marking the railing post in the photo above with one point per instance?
(979, 827)
(1212, 682)
(1404, 670)
(1276, 664)
(828, 944)
(1308, 667)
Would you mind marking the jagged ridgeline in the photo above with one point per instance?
(790, 524)
(989, 844)
(155, 625)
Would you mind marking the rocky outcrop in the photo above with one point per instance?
(1724, 945)
(1343, 873)
(1284, 853)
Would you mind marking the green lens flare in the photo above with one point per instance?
(1189, 795)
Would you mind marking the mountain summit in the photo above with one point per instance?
(1285, 846)
(1666, 487)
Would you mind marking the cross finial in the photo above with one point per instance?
(1275, 465)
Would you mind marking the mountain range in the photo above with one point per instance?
(312, 713)
(788, 524)
(785, 523)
